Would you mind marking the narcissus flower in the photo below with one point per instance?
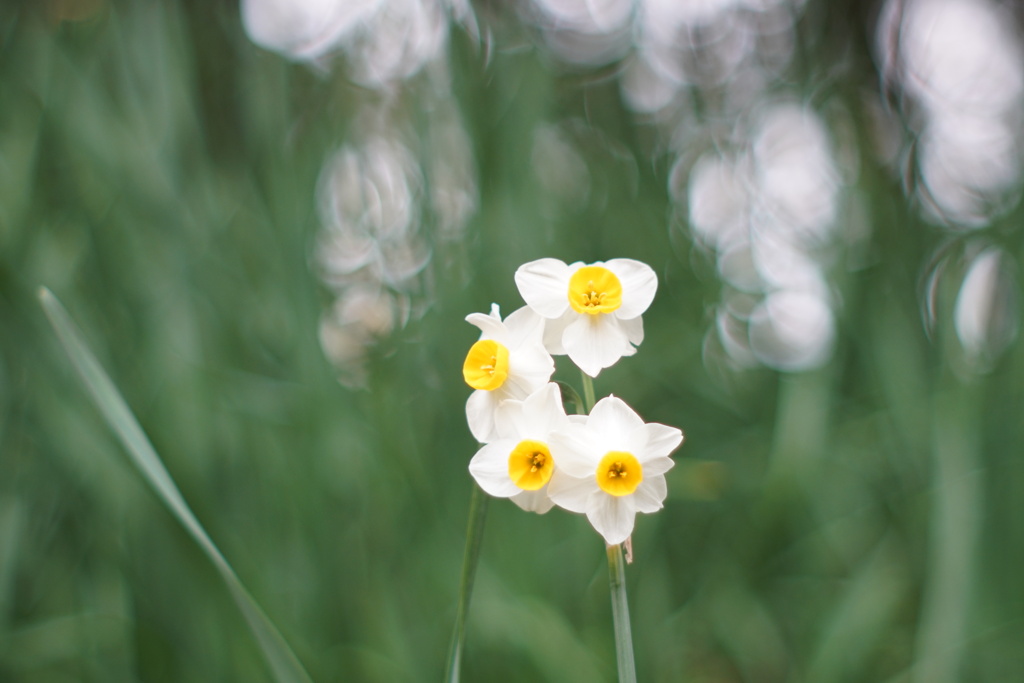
(593, 311)
(612, 466)
(520, 462)
(508, 362)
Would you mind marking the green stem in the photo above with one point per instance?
(474, 539)
(956, 518)
(620, 615)
(588, 391)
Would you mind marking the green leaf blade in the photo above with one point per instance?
(282, 661)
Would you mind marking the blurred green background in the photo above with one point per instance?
(161, 174)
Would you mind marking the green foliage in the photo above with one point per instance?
(120, 419)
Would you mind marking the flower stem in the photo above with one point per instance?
(588, 391)
(470, 559)
(620, 615)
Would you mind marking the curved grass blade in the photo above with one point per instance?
(470, 560)
(283, 662)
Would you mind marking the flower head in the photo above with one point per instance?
(508, 362)
(612, 466)
(520, 461)
(593, 311)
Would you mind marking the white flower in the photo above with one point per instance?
(612, 466)
(593, 311)
(518, 463)
(303, 30)
(508, 362)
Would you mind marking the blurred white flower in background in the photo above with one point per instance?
(958, 66)
(385, 41)
(972, 284)
(986, 314)
(960, 63)
(388, 200)
(795, 178)
(768, 211)
(792, 330)
(377, 211)
(765, 199)
(728, 50)
(719, 201)
(733, 46)
(586, 32)
(370, 200)
(398, 41)
(361, 316)
(303, 30)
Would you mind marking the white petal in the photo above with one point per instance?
(529, 368)
(534, 501)
(524, 327)
(543, 413)
(658, 466)
(615, 422)
(554, 329)
(612, 516)
(490, 327)
(594, 342)
(516, 387)
(490, 469)
(508, 418)
(576, 451)
(544, 286)
(661, 440)
(634, 329)
(480, 408)
(634, 442)
(514, 423)
(650, 495)
(639, 283)
(571, 493)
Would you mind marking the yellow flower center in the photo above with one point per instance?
(619, 473)
(593, 290)
(486, 365)
(530, 465)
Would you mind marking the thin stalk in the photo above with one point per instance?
(588, 391)
(470, 559)
(620, 615)
(957, 502)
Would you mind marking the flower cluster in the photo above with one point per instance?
(609, 464)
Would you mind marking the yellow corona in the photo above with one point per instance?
(594, 290)
(619, 473)
(486, 365)
(530, 465)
